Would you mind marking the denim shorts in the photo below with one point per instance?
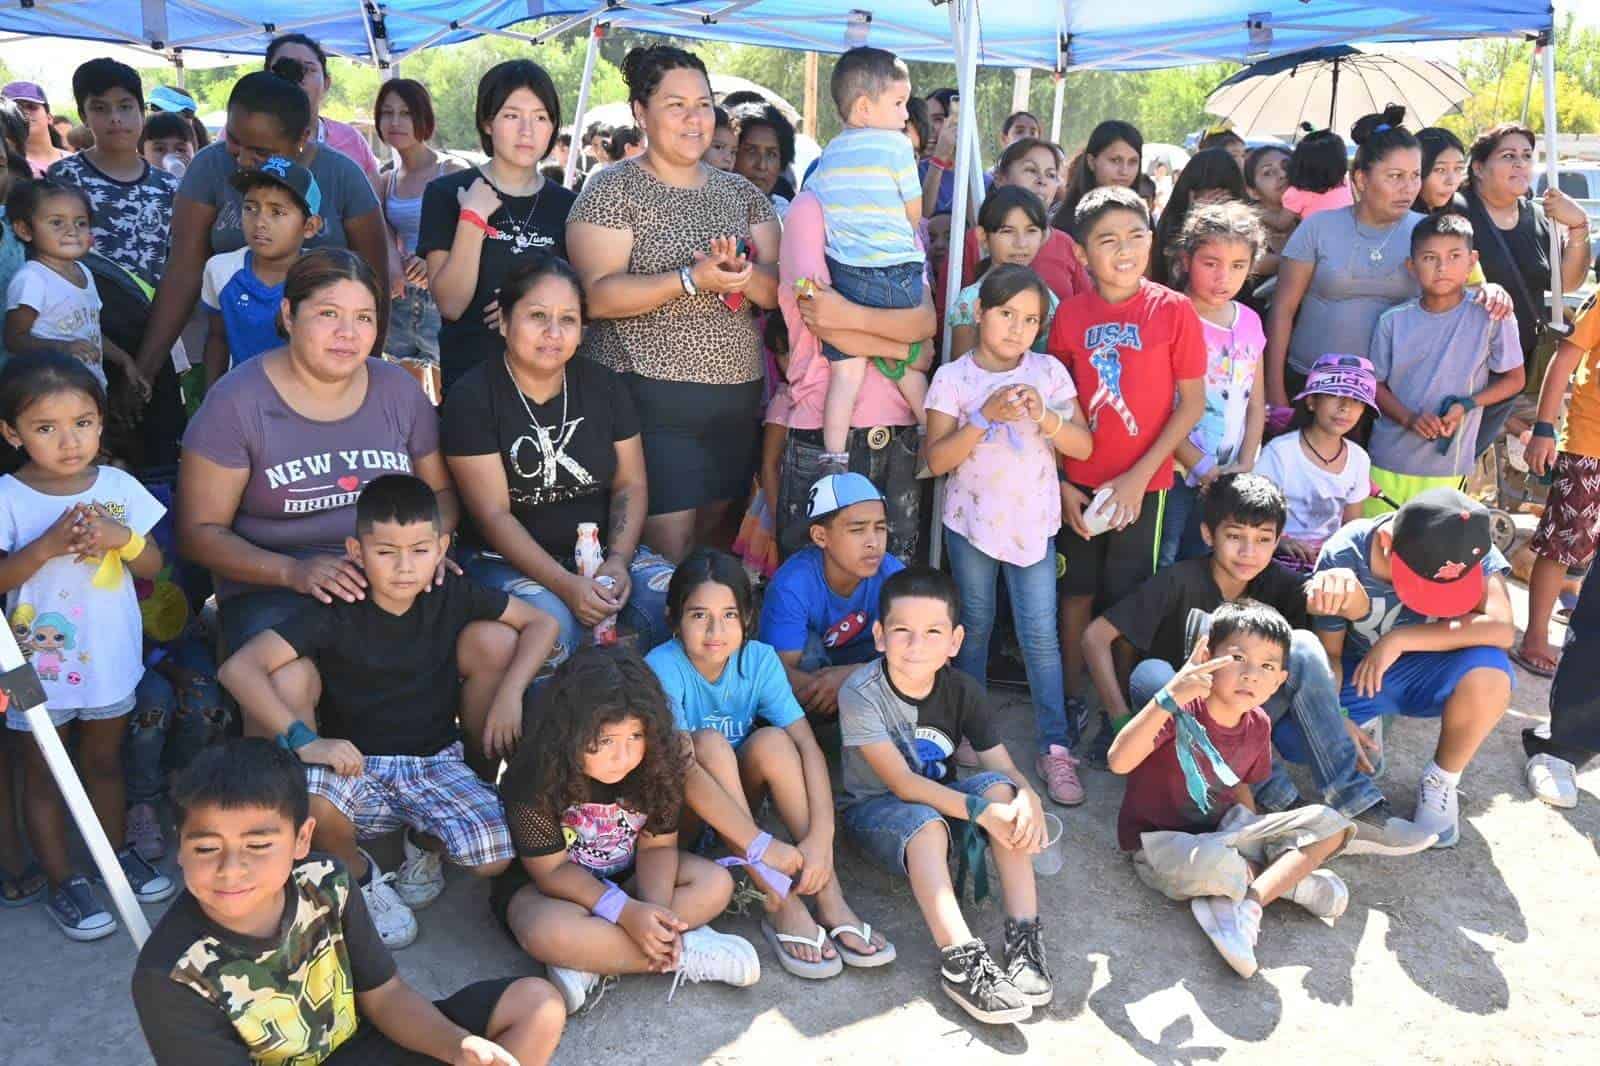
(886, 287)
(882, 826)
(17, 717)
(413, 327)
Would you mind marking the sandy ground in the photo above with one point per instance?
(1486, 953)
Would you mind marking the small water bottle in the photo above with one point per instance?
(589, 556)
(173, 164)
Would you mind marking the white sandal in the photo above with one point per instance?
(817, 970)
(882, 957)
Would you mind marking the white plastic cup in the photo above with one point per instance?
(1048, 860)
(1101, 512)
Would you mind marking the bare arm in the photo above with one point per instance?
(1191, 405)
(950, 444)
(962, 340)
(412, 1021)
(216, 352)
(600, 255)
(1390, 407)
(629, 496)
(1135, 741)
(247, 674)
(828, 315)
(892, 769)
(1294, 281)
(1097, 656)
(537, 633)
(763, 287)
(208, 499)
(657, 866)
(187, 250)
(1333, 645)
(1255, 424)
(453, 274)
(558, 877)
(1489, 626)
(814, 770)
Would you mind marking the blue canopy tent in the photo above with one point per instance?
(1056, 35)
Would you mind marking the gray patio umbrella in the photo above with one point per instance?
(1333, 87)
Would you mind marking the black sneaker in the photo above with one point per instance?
(1380, 832)
(1025, 963)
(969, 976)
(1100, 747)
(1077, 719)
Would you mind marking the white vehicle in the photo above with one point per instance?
(1581, 181)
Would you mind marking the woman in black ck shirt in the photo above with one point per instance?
(540, 442)
(477, 224)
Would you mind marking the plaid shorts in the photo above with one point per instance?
(1570, 526)
(435, 794)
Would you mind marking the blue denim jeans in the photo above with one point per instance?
(1033, 611)
(1180, 525)
(884, 287)
(645, 612)
(882, 826)
(170, 725)
(1308, 705)
(413, 327)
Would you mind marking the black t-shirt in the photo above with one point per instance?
(559, 474)
(1153, 617)
(528, 226)
(925, 731)
(205, 994)
(1529, 246)
(390, 682)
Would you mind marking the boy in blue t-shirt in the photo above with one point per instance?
(821, 603)
(1433, 642)
(243, 289)
(866, 181)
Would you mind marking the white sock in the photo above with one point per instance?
(1452, 779)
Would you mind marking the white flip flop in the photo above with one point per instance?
(882, 957)
(819, 970)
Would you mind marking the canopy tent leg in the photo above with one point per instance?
(77, 800)
(1056, 112)
(1548, 51)
(966, 151)
(595, 33)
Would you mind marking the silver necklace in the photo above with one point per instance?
(1376, 255)
(522, 239)
(545, 433)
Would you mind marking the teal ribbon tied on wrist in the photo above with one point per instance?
(1443, 444)
(1192, 741)
(974, 842)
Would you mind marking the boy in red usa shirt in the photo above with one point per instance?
(1129, 345)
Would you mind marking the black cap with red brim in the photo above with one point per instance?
(1440, 540)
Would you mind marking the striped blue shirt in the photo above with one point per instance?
(864, 180)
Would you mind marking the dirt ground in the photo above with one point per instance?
(1487, 953)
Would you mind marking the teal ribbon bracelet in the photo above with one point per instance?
(974, 842)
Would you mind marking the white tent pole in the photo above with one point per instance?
(966, 83)
(1557, 315)
(596, 31)
(60, 763)
(1055, 115)
(965, 38)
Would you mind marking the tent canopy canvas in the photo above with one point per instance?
(1050, 34)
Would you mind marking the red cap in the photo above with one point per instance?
(1440, 539)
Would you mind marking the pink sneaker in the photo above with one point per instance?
(1060, 772)
(965, 755)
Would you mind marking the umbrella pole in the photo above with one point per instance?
(1333, 95)
(966, 81)
(77, 800)
(1055, 115)
(1548, 51)
(596, 31)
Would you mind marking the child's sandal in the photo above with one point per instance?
(866, 961)
(19, 890)
(811, 970)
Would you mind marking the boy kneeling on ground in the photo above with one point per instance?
(271, 955)
(1189, 819)
(900, 720)
(383, 677)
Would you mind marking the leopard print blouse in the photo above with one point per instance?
(690, 338)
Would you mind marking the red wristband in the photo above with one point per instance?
(472, 218)
(941, 164)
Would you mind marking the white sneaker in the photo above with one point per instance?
(574, 985)
(712, 956)
(1553, 780)
(1233, 929)
(397, 926)
(420, 878)
(1437, 810)
(1323, 893)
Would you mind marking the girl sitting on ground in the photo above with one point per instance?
(718, 683)
(593, 799)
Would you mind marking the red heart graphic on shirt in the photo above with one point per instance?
(349, 484)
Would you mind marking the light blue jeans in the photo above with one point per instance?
(169, 726)
(1311, 702)
(645, 612)
(1033, 611)
(1180, 525)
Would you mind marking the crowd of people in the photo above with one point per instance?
(559, 529)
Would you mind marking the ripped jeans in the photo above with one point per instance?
(645, 612)
(171, 724)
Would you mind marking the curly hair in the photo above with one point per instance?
(595, 688)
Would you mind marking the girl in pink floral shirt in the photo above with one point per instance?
(997, 417)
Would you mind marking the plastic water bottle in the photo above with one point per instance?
(589, 556)
(173, 164)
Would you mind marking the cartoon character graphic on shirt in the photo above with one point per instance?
(21, 620)
(53, 636)
(538, 457)
(1228, 377)
(930, 752)
(1106, 342)
(601, 836)
(845, 630)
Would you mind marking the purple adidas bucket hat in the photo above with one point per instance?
(1351, 376)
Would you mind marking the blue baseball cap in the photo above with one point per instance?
(835, 492)
(166, 98)
(287, 174)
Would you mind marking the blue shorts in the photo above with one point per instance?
(1418, 685)
(882, 826)
(885, 288)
